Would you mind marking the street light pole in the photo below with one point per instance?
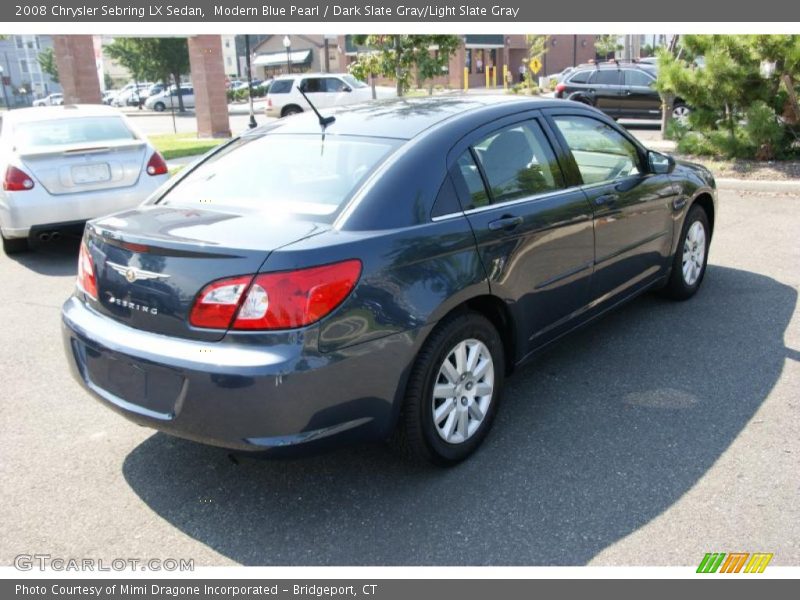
(287, 43)
(253, 123)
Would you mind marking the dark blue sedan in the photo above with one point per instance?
(377, 276)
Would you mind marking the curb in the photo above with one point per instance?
(757, 185)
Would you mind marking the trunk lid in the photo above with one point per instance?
(151, 262)
(76, 168)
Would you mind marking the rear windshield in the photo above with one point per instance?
(59, 132)
(280, 173)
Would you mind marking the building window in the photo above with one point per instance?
(20, 42)
(23, 67)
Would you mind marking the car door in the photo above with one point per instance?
(339, 93)
(640, 98)
(607, 86)
(317, 91)
(633, 208)
(534, 235)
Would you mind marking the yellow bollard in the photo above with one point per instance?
(494, 76)
(466, 79)
(505, 77)
(486, 72)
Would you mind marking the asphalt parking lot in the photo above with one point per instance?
(665, 431)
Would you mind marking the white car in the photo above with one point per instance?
(51, 100)
(325, 90)
(169, 98)
(64, 165)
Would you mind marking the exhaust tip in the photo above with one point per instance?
(44, 237)
(55, 236)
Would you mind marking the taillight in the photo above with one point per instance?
(87, 281)
(560, 87)
(269, 102)
(17, 180)
(156, 165)
(283, 300)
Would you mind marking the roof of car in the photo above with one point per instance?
(66, 111)
(403, 118)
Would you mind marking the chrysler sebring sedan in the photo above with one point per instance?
(377, 276)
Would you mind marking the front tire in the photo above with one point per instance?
(691, 257)
(453, 391)
(291, 110)
(159, 107)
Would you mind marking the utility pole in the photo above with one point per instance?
(252, 123)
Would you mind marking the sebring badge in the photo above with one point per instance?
(133, 274)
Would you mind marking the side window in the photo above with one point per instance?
(518, 162)
(581, 77)
(471, 177)
(333, 85)
(638, 78)
(313, 85)
(607, 77)
(601, 152)
(281, 86)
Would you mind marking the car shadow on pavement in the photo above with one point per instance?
(596, 437)
(56, 258)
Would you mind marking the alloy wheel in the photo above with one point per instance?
(463, 391)
(694, 253)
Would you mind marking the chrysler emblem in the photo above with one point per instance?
(132, 274)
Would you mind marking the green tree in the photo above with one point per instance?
(157, 59)
(401, 56)
(606, 45)
(47, 62)
(737, 86)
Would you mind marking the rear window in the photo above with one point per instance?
(283, 174)
(59, 132)
(281, 86)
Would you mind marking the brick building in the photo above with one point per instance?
(477, 54)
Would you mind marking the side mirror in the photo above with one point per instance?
(347, 88)
(660, 164)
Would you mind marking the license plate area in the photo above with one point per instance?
(96, 173)
(148, 386)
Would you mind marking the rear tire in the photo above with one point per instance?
(435, 426)
(15, 245)
(691, 257)
(291, 110)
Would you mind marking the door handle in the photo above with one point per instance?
(506, 222)
(606, 199)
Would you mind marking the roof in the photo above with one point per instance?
(67, 111)
(275, 59)
(401, 118)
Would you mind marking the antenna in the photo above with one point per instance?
(323, 121)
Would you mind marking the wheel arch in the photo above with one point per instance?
(290, 106)
(706, 202)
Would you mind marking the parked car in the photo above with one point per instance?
(649, 60)
(379, 275)
(51, 100)
(169, 98)
(129, 96)
(325, 90)
(621, 90)
(64, 165)
(108, 96)
(560, 75)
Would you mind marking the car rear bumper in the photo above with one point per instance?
(273, 111)
(22, 211)
(237, 395)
